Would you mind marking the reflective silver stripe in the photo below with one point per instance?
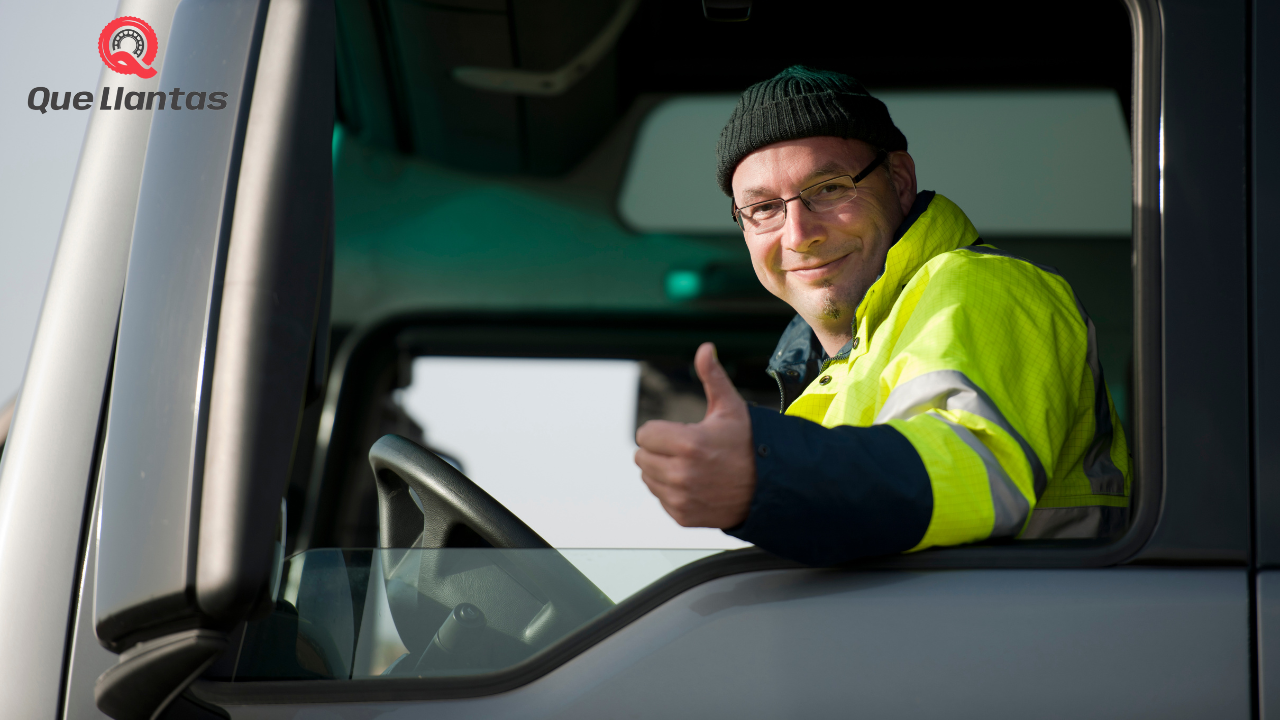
(1104, 477)
(1010, 506)
(953, 390)
(1087, 523)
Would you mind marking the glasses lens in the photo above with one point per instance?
(763, 217)
(830, 194)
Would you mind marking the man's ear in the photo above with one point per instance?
(902, 167)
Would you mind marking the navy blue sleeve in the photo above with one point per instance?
(825, 496)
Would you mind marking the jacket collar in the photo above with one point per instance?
(939, 227)
(935, 225)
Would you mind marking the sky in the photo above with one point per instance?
(56, 49)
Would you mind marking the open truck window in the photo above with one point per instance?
(521, 280)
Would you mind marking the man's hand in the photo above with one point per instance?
(704, 474)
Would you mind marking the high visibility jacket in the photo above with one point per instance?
(986, 365)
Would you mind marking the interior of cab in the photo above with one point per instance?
(529, 246)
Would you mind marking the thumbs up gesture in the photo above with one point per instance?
(704, 473)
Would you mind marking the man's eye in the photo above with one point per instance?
(766, 209)
(830, 190)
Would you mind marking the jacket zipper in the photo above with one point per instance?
(782, 395)
(827, 363)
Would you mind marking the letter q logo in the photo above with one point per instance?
(128, 45)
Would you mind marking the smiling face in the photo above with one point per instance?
(821, 264)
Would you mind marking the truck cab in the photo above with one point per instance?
(330, 408)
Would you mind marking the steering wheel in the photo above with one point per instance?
(469, 584)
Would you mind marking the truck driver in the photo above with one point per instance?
(935, 390)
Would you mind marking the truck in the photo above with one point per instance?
(330, 405)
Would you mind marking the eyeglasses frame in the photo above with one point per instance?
(736, 212)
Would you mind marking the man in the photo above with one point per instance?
(936, 390)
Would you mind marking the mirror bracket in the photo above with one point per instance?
(152, 673)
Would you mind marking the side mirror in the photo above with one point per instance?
(223, 311)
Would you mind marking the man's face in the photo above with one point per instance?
(821, 264)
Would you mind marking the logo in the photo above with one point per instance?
(128, 46)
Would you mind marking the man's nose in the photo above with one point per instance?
(802, 229)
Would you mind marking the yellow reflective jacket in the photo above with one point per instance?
(969, 404)
(988, 365)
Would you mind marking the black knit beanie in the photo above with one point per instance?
(801, 102)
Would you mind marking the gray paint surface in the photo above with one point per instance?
(48, 459)
(88, 658)
(1268, 598)
(1206, 411)
(1266, 265)
(168, 317)
(1113, 643)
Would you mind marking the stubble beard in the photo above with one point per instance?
(830, 309)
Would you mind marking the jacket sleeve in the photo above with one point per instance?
(986, 381)
(826, 496)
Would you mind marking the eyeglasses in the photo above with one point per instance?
(769, 215)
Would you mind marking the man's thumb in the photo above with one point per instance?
(715, 381)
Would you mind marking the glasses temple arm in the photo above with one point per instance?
(881, 156)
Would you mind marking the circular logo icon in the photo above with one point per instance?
(128, 46)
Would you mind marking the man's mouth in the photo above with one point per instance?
(819, 270)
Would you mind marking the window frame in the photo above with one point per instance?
(370, 345)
